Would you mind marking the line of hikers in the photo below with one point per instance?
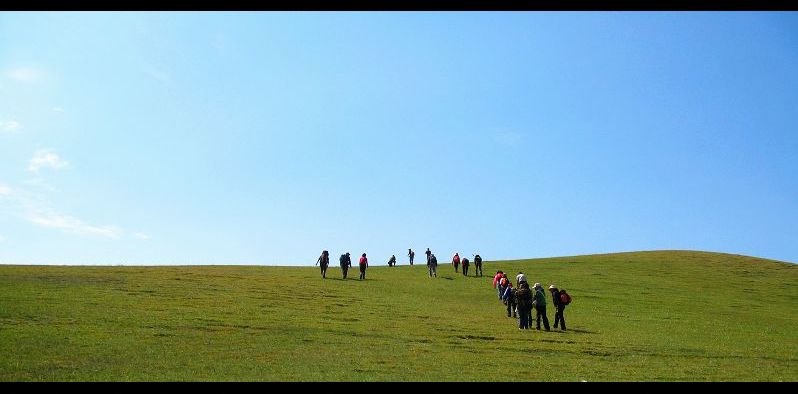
(345, 261)
(521, 300)
(432, 263)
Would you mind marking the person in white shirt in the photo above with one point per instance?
(519, 278)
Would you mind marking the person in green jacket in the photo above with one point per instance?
(540, 306)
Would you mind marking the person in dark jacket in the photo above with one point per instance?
(523, 298)
(364, 263)
(392, 261)
(477, 265)
(563, 299)
(324, 261)
(411, 254)
(345, 262)
(558, 306)
(432, 264)
(465, 266)
(512, 303)
(540, 306)
(428, 253)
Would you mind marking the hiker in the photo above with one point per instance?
(428, 253)
(496, 279)
(503, 283)
(432, 264)
(364, 263)
(411, 254)
(523, 298)
(520, 278)
(540, 306)
(477, 265)
(560, 299)
(456, 262)
(324, 260)
(346, 262)
(509, 299)
(392, 261)
(465, 266)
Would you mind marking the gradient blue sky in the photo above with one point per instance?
(263, 138)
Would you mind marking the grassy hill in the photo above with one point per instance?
(647, 316)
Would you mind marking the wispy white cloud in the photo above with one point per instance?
(220, 42)
(45, 158)
(158, 75)
(71, 224)
(2, 238)
(25, 74)
(141, 236)
(508, 138)
(34, 209)
(58, 109)
(9, 126)
(41, 183)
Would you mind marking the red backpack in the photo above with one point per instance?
(565, 299)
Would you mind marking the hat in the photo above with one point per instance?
(537, 285)
(552, 287)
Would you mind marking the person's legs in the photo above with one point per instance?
(556, 316)
(561, 309)
(537, 316)
(429, 267)
(525, 316)
(542, 313)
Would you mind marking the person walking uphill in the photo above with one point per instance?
(411, 254)
(465, 266)
(540, 306)
(456, 262)
(523, 298)
(560, 298)
(324, 261)
(509, 299)
(521, 277)
(364, 263)
(345, 262)
(496, 281)
(477, 265)
(432, 264)
(428, 253)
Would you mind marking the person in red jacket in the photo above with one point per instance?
(364, 263)
(496, 280)
(456, 262)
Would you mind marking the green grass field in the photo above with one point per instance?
(647, 316)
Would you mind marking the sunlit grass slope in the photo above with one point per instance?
(647, 316)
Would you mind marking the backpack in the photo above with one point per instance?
(522, 298)
(565, 299)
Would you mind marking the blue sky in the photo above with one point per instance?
(263, 138)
